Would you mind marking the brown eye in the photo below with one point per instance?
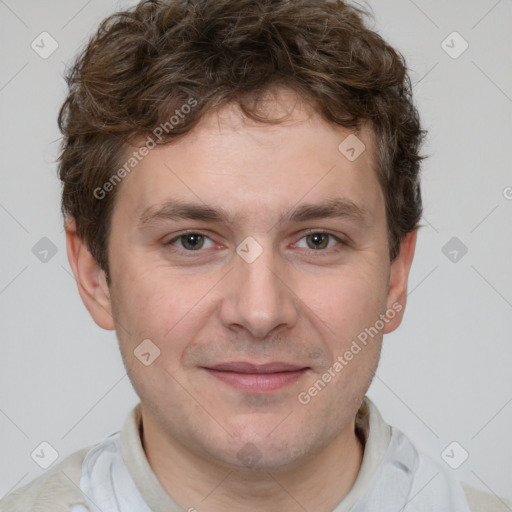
(317, 240)
(192, 241)
(320, 241)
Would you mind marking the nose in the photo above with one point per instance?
(259, 296)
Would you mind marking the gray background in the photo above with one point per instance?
(445, 374)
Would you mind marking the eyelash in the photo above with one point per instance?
(318, 252)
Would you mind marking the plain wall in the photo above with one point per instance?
(445, 374)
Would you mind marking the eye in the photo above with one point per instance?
(194, 242)
(191, 241)
(319, 240)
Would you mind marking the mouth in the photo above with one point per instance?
(256, 378)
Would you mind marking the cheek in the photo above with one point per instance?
(152, 305)
(346, 300)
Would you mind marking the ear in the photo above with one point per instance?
(90, 278)
(397, 286)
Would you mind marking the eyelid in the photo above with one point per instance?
(310, 231)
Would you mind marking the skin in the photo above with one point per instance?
(293, 304)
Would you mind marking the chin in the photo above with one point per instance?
(254, 454)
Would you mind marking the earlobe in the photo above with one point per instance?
(399, 275)
(90, 278)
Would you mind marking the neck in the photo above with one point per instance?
(193, 482)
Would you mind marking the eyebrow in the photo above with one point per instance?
(179, 210)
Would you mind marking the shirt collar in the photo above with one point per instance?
(370, 428)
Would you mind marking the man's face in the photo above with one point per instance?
(249, 295)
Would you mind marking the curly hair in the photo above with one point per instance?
(144, 63)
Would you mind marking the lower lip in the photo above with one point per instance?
(258, 382)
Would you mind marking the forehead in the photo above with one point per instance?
(238, 165)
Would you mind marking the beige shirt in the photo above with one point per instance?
(59, 488)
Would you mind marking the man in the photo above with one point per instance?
(241, 193)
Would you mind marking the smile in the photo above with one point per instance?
(257, 378)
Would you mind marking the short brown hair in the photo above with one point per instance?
(144, 63)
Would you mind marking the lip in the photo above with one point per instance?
(257, 378)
